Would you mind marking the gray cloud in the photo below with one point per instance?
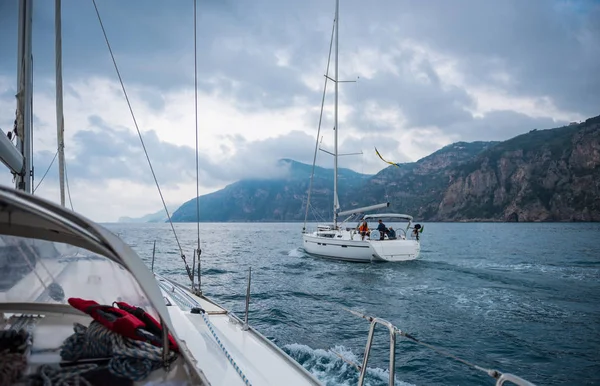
(501, 125)
(258, 159)
(546, 48)
(158, 47)
(541, 49)
(102, 152)
(421, 103)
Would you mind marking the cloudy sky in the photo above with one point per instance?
(429, 73)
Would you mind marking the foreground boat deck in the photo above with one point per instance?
(229, 352)
(225, 351)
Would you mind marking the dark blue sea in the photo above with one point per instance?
(519, 298)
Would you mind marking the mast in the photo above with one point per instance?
(335, 128)
(60, 121)
(24, 94)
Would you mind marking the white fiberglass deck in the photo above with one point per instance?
(258, 359)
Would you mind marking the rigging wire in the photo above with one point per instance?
(198, 250)
(187, 268)
(47, 170)
(312, 173)
(317, 215)
(30, 172)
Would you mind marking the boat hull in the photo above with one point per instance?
(345, 246)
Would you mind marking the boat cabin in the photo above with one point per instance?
(401, 224)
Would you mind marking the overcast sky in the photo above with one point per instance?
(429, 73)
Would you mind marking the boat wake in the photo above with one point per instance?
(296, 252)
(331, 370)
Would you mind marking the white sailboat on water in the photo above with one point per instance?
(79, 307)
(343, 242)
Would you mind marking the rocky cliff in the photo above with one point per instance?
(544, 175)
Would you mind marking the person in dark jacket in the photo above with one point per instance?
(391, 234)
(382, 230)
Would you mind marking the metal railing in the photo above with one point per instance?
(501, 378)
(392, 330)
(245, 327)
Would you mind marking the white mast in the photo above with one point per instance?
(24, 95)
(60, 122)
(335, 128)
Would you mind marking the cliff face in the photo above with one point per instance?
(547, 175)
(451, 155)
(544, 175)
(418, 188)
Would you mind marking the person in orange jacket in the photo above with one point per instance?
(364, 230)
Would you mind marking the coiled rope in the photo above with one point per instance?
(12, 367)
(127, 358)
(14, 343)
(131, 359)
(52, 376)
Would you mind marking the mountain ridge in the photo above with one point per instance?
(542, 175)
(158, 216)
(283, 199)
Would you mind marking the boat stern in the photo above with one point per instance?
(395, 250)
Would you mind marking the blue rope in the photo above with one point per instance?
(131, 359)
(182, 303)
(229, 357)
